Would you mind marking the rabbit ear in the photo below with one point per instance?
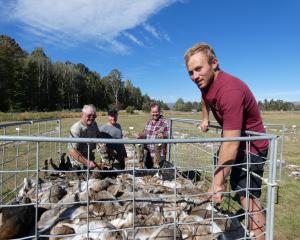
(23, 191)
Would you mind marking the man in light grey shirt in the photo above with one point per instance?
(112, 129)
(86, 127)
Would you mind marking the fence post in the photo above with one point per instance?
(59, 134)
(2, 166)
(37, 190)
(170, 123)
(271, 190)
(281, 151)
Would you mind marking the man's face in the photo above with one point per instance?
(155, 113)
(88, 117)
(112, 118)
(201, 72)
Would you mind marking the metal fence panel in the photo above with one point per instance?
(115, 205)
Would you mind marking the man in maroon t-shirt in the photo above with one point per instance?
(236, 110)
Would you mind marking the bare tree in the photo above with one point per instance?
(115, 81)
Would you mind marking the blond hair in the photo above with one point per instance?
(200, 47)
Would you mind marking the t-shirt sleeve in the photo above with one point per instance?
(75, 133)
(102, 128)
(121, 131)
(233, 108)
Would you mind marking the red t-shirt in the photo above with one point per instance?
(234, 107)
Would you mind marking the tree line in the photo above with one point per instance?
(276, 105)
(32, 82)
(181, 105)
(272, 105)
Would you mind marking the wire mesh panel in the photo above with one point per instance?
(190, 128)
(279, 130)
(168, 202)
(19, 157)
(202, 158)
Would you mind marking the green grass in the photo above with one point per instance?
(287, 215)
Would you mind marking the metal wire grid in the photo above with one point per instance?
(179, 164)
(184, 128)
(18, 157)
(190, 129)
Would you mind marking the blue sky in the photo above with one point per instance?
(257, 41)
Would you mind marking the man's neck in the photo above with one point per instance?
(216, 74)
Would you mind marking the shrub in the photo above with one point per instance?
(130, 109)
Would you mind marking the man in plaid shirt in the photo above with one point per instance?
(156, 127)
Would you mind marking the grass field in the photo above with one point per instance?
(287, 219)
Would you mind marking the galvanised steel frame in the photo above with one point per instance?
(172, 143)
(41, 127)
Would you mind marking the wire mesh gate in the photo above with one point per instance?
(18, 158)
(183, 180)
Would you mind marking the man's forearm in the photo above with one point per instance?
(205, 110)
(78, 157)
(227, 155)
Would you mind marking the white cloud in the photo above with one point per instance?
(151, 30)
(113, 46)
(133, 39)
(160, 35)
(83, 20)
(50, 38)
(166, 36)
